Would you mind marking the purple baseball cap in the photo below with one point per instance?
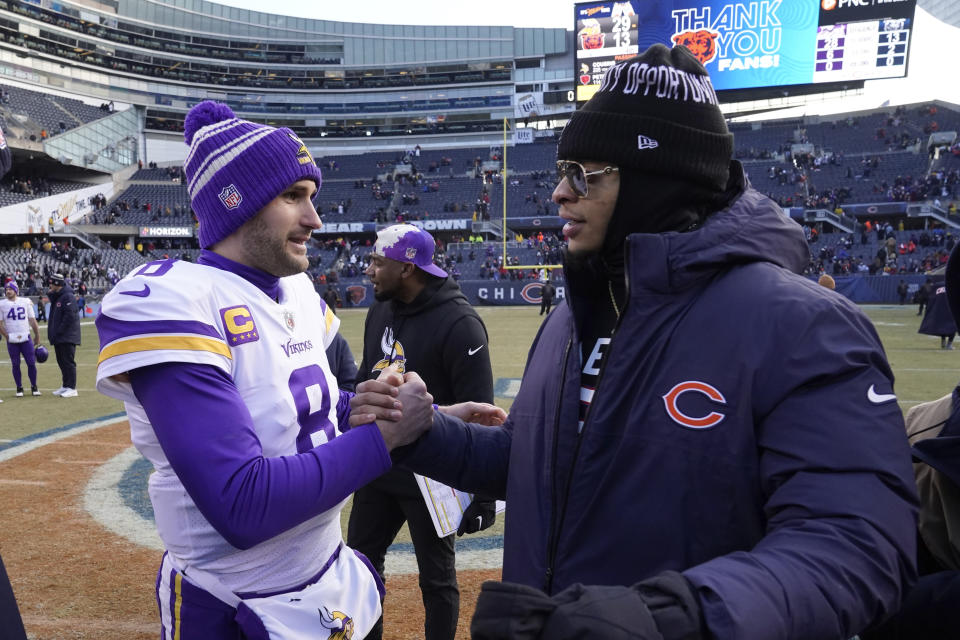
(408, 243)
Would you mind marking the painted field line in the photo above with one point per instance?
(11, 450)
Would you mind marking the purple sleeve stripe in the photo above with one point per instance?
(164, 343)
(111, 329)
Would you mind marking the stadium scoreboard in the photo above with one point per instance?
(748, 45)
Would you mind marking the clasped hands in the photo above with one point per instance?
(402, 408)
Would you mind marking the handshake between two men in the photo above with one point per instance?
(402, 408)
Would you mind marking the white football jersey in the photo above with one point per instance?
(16, 316)
(175, 311)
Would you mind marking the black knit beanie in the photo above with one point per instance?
(656, 112)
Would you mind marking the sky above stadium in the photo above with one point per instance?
(525, 13)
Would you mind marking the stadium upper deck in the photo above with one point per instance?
(321, 78)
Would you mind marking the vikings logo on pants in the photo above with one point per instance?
(339, 624)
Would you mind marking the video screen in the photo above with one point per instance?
(745, 45)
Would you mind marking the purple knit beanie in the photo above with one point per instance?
(236, 167)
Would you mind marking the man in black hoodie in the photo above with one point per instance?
(422, 322)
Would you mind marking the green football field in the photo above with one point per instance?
(923, 370)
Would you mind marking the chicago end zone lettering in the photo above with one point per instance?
(743, 35)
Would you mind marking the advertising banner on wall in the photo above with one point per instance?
(523, 136)
(334, 228)
(478, 292)
(528, 104)
(34, 216)
(156, 231)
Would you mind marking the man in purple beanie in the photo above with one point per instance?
(229, 394)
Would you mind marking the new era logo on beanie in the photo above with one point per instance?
(236, 167)
(658, 113)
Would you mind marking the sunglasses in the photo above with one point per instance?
(576, 176)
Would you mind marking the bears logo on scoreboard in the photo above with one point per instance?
(702, 43)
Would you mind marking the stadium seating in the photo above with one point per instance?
(16, 188)
(858, 167)
(47, 111)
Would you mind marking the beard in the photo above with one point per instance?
(269, 252)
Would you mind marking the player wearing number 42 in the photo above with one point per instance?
(17, 321)
(229, 394)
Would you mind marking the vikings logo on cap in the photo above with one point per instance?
(230, 197)
(303, 154)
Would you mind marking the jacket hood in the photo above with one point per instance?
(436, 292)
(752, 228)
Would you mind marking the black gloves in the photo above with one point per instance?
(479, 514)
(510, 611)
(661, 608)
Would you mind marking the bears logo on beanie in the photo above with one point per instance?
(236, 167)
(656, 112)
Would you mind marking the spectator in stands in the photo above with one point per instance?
(331, 297)
(768, 501)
